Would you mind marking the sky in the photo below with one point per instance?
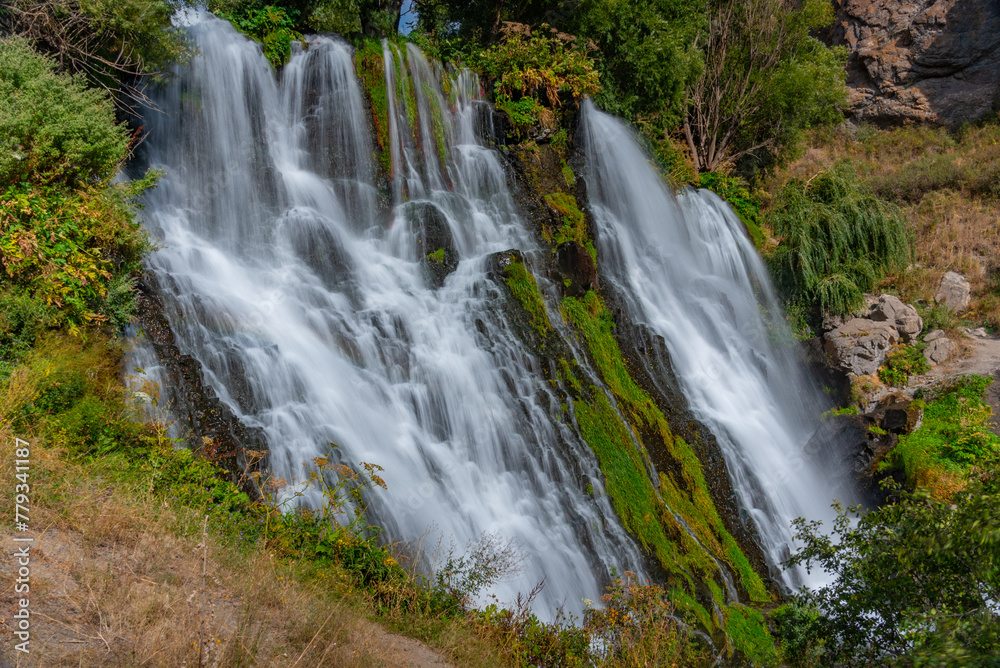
(409, 19)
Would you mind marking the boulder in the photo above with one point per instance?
(434, 242)
(953, 292)
(903, 317)
(934, 336)
(859, 346)
(897, 414)
(939, 350)
(935, 61)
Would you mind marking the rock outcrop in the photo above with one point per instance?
(934, 61)
(859, 346)
(903, 317)
(954, 292)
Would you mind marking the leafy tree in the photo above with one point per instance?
(917, 581)
(114, 43)
(764, 79)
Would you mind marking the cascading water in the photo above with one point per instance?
(687, 270)
(309, 307)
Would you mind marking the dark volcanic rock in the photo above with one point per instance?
(435, 244)
(196, 403)
(932, 61)
(577, 266)
(853, 443)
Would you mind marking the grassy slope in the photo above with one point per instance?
(117, 516)
(949, 187)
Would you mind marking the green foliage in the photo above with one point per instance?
(75, 250)
(796, 628)
(901, 363)
(837, 240)
(954, 435)
(915, 582)
(735, 192)
(23, 320)
(338, 16)
(647, 56)
(271, 25)
(533, 74)
(525, 289)
(369, 64)
(53, 128)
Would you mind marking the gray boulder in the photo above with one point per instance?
(953, 292)
(903, 317)
(939, 350)
(859, 346)
(934, 336)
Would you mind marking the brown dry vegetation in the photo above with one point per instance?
(948, 185)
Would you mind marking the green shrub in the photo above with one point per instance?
(837, 240)
(533, 74)
(901, 363)
(53, 129)
(22, 320)
(271, 25)
(75, 250)
(116, 44)
(913, 583)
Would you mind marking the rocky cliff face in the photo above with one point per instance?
(932, 61)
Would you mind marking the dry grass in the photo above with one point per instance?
(112, 584)
(949, 188)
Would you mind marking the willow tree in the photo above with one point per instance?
(765, 78)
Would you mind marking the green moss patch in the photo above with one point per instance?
(749, 635)
(525, 289)
(370, 67)
(953, 436)
(647, 511)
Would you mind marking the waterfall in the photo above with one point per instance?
(301, 285)
(686, 270)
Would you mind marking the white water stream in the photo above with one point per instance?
(295, 279)
(314, 320)
(688, 271)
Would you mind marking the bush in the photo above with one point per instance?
(53, 129)
(532, 74)
(837, 240)
(901, 363)
(22, 320)
(75, 250)
(271, 25)
(914, 583)
(115, 44)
